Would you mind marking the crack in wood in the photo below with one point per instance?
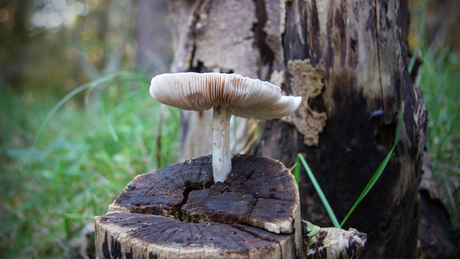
(211, 229)
(377, 30)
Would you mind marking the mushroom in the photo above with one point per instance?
(228, 94)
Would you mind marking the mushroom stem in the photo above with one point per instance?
(221, 154)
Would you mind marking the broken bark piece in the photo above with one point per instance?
(307, 82)
(179, 211)
(335, 243)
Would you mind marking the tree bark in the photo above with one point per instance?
(348, 61)
(359, 47)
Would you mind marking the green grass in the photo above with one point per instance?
(440, 85)
(82, 159)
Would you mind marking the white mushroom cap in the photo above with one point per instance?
(251, 98)
(228, 94)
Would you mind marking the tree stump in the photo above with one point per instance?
(178, 211)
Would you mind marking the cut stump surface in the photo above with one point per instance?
(178, 211)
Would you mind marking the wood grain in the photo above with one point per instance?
(178, 211)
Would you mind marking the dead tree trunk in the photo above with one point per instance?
(347, 59)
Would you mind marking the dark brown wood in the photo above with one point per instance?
(358, 44)
(179, 211)
(130, 235)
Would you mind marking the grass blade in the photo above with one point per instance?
(158, 141)
(112, 131)
(377, 173)
(296, 167)
(319, 191)
(117, 76)
(422, 23)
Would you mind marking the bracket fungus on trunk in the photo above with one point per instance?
(228, 94)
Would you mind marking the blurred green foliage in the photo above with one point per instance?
(440, 85)
(81, 162)
(57, 174)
